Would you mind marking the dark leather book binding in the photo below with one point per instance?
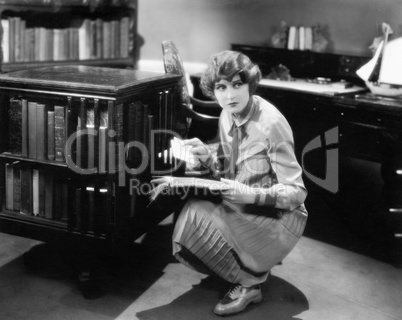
(15, 126)
(49, 195)
(41, 131)
(16, 187)
(24, 128)
(59, 133)
(32, 130)
(51, 155)
(26, 190)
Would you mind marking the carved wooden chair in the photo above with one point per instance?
(203, 115)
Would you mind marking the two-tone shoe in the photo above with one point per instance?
(237, 299)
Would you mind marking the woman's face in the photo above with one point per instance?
(232, 96)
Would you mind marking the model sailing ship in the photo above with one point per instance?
(383, 73)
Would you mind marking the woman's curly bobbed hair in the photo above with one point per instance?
(224, 66)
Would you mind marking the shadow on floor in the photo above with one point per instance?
(282, 301)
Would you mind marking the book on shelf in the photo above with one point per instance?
(145, 126)
(119, 127)
(103, 139)
(16, 186)
(90, 118)
(84, 39)
(49, 195)
(308, 38)
(24, 128)
(32, 130)
(78, 209)
(38, 192)
(13, 186)
(59, 133)
(81, 141)
(15, 126)
(50, 135)
(5, 40)
(90, 208)
(9, 186)
(35, 192)
(41, 134)
(26, 190)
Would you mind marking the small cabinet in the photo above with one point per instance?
(78, 147)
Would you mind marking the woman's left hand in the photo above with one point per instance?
(238, 192)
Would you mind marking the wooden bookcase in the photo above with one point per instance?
(37, 33)
(76, 176)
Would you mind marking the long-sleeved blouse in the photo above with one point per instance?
(266, 155)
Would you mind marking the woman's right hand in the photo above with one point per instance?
(198, 149)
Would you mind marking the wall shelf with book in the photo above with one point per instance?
(72, 141)
(40, 33)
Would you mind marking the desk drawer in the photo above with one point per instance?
(372, 118)
(368, 142)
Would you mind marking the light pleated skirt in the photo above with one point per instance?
(238, 243)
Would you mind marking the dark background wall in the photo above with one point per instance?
(202, 27)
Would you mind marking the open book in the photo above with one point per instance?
(171, 189)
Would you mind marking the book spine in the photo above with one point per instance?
(138, 128)
(124, 37)
(41, 134)
(145, 127)
(24, 128)
(16, 187)
(49, 195)
(11, 23)
(42, 193)
(78, 208)
(81, 141)
(26, 190)
(51, 155)
(100, 211)
(32, 130)
(5, 40)
(103, 138)
(118, 127)
(59, 133)
(91, 207)
(35, 192)
(15, 126)
(9, 186)
(58, 200)
(292, 38)
(309, 38)
(65, 202)
(99, 39)
(302, 38)
(71, 126)
(90, 125)
(106, 39)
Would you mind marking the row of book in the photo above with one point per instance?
(37, 130)
(41, 130)
(36, 192)
(86, 39)
(300, 38)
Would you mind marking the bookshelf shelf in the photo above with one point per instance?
(41, 33)
(71, 169)
(10, 156)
